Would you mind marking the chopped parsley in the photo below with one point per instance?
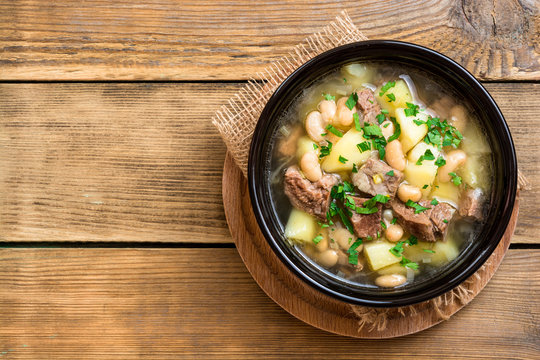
(384, 111)
(371, 131)
(397, 130)
(383, 225)
(429, 251)
(391, 97)
(408, 263)
(390, 173)
(357, 124)
(333, 130)
(440, 132)
(383, 199)
(386, 125)
(317, 239)
(455, 178)
(428, 155)
(351, 101)
(445, 221)
(440, 161)
(393, 221)
(353, 259)
(322, 225)
(425, 186)
(315, 146)
(386, 87)
(417, 207)
(380, 118)
(345, 80)
(354, 169)
(342, 159)
(355, 245)
(325, 150)
(364, 146)
(434, 202)
(412, 240)
(329, 97)
(412, 109)
(397, 250)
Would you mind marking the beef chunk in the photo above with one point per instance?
(364, 179)
(368, 106)
(437, 214)
(428, 225)
(313, 198)
(366, 224)
(470, 204)
(418, 225)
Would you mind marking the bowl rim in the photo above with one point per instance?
(466, 269)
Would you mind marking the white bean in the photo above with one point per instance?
(309, 164)
(328, 258)
(344, 116)
(454, 159)
(408, 192)
(322, 245)
(327, 109)
(394, 155)
(458, 117)
(394, 233)
(388, 215)
(390, 280)
(345, 239)
(315, 126)
(387, 130)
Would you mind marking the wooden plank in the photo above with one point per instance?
(141, 162)
(173, 39)
(170, 303)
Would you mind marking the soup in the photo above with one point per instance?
(381, 174)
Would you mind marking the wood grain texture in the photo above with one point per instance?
(142, 162)
(173, 39)
(202, 303)
(320, 310)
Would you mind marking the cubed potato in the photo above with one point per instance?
(476, 171)
(416, 252)
(304, 145)
(346, 147)
(301, 226)
(378, 254)
(402, 94)
(420, 175)
(357, 74)
(444, 252)
(411, 133)
(445, 192)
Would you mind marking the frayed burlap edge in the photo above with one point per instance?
(376, 319)
(236, 120)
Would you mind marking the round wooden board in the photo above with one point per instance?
(300, 299)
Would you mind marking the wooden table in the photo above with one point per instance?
(114, 239)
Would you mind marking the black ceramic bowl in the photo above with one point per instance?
(503, 189)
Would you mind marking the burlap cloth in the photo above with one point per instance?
(236, 122)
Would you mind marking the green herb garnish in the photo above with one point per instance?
(455, 178)
(387, 86)
(351, 101)
(428, 155)
(393, 221)
(412, 109)
(434, 202)
(325, 150)
(390, 173)
(440, 161)
(391, 97)
(333, 130)
(417, 207)
(408, 263)
(380, 118)
(317, 238)
(329, 97)
(383, 225)
(357, 124)
(425, 186)
(429, 251)
(364, 146)
(342, 160)
(354, 169)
